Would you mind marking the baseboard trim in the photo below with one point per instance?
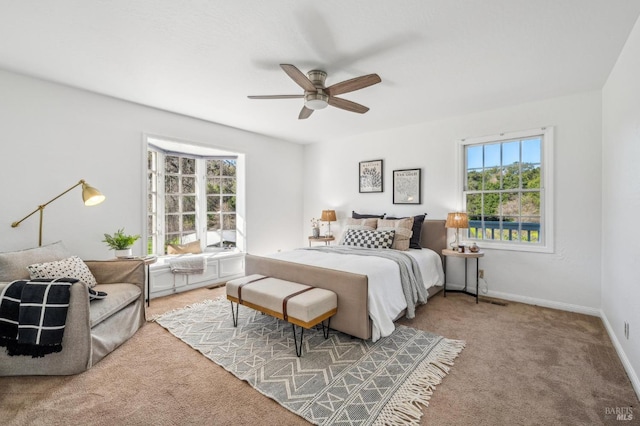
(635, 381)
(595, 312)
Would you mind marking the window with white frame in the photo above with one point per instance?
(190, 197)
(507, 189)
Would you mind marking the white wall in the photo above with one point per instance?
(570, 277)
(53, 136)
(621, 204)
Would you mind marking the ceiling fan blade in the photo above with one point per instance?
(305, 113)
(353, 84)
(297, 76)
(276, 97)
(347, 105)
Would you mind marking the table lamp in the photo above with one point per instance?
(457, 220)
(328, 216)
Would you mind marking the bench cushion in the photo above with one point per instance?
(269, 293)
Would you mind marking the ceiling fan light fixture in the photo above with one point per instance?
(316, 100)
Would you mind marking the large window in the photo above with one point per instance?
(507, 189)
(190, 197)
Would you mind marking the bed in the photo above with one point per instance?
(363, 311)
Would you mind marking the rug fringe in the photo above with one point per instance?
(206, 302)
(405, 407)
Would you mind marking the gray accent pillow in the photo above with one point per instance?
(13, 265)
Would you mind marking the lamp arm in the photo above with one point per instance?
(42, 206)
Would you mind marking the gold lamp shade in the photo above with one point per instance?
(90, 195)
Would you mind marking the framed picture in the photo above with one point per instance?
(407, 186)
(371, 177)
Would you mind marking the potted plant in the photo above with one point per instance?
(121, 243)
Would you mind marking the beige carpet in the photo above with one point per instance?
(522, 365)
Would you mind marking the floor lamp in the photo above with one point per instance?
(90, 196)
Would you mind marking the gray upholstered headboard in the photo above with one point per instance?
(434, 235)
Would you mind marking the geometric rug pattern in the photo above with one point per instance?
(337, 381)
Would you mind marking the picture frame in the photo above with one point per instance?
(371, 176)
(407, 186)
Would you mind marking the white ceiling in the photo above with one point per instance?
(436, 58)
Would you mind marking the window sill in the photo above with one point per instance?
(489, 245)
(164, 259)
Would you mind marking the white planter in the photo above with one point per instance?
(126, 253)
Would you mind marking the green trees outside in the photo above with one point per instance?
(508, 194)
(221, 198)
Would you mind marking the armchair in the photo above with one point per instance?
(93, 329)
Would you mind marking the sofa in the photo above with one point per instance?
(93, 328)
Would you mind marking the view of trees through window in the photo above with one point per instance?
(221, 202)
(503, 190)
(180, 198)
(190, 198)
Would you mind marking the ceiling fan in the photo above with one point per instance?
(317, 96)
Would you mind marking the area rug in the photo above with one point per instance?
(339, 380)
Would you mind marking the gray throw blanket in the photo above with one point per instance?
(410, 276)
(188, 265)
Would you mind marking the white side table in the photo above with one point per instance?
(452, 253)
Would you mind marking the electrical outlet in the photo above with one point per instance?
(481, 273)
(626, 330)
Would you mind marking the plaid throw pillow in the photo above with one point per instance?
(369, 239)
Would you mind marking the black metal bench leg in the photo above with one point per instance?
(234, 315)
(325, 330)
(295, 339)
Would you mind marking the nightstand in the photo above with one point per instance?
(325, 240)
(466, 256)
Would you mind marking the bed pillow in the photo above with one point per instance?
(418, 220)
(73, 267)
(363, 224)
(355, 215)
(369, 239)
(402, 228)
(189, 248)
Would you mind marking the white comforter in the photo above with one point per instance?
(386, 299)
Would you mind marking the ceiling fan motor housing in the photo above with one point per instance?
(316, 100)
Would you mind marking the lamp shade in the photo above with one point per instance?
(91, 196)
(328, 216)
(457, 220)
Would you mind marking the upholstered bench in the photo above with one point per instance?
(296, 303)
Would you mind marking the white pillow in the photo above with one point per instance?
(72, 267)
